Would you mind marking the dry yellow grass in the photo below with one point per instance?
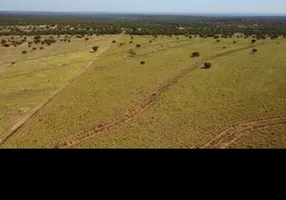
(37, 74)
(189, 114)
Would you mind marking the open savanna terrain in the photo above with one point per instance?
(30, 72)
(146, 91)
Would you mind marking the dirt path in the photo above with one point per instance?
(5, 136)
(137, 109)
(234, 132)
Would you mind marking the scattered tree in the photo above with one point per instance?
(95, 48)
(138, 45)
(132, 53)
(207, 65)
(253, 41)
(37, 37)
(3, 41)
(196, 54)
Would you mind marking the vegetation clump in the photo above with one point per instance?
(207, 65)
(95, 48)
(196, 54)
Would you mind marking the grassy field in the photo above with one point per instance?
(191, 107)
(35, 75)
(270, 137)
(206, 102)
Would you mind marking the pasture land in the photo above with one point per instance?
(28, 79)
(167, 102)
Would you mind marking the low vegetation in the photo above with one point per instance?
(147, 91)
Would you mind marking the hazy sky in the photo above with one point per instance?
(183, 6)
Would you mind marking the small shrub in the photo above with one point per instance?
(95, 48)
(138, 45)
(254, 50)
(34, 49)
(37, 41)
(253, 41)
(142, 62)
(132, 53)
(234, 42)
(131, 42)
(196, 54)
(24, 52)
(224, 47)
(41, 48)
(86, 39)
(6, 45)
(114, 41)
(13, 63)
(207, 65)
(37, 37)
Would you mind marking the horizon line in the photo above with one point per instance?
(159, 12)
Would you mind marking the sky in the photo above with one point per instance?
(148, 6)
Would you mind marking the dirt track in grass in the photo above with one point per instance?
(234, 132)
(137, 109)
(5, 136)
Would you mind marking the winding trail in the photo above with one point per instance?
(6, 135)
(236, 131)
(137, 109)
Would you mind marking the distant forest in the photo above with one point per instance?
(89, 24)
